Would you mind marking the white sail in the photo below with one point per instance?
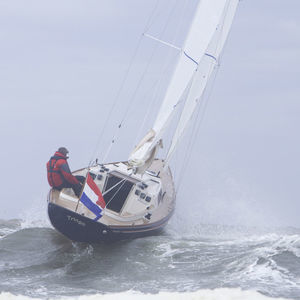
(207, 18)
(203, 73)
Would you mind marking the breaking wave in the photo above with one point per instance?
(208, 263)
(217, 294)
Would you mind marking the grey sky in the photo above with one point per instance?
(62, 63)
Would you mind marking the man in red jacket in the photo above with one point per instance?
(59, 174)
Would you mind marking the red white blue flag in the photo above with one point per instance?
(92, 197)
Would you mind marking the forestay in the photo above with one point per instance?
(203, 45)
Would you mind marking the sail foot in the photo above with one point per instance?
(143, 166)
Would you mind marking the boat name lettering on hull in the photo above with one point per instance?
(76, 220)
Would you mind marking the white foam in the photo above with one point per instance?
(217, 294)
(7, 231)
(259, 265)
(35, 216)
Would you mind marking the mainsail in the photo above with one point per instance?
(203, 73)
(200, 52)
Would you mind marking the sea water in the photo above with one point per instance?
(204, 262)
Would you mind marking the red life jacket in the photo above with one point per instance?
(54, 174)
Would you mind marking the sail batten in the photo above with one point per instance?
(197, 57)
(204, 24)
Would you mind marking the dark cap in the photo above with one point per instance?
(63, 151)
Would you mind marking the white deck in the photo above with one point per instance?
(160, 188)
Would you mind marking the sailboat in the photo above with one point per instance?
(139, 194)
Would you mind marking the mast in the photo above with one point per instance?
(200, 38)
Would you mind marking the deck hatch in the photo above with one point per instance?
(117, 196)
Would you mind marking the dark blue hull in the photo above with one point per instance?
(82, 229)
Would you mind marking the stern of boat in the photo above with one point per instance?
(135, 205)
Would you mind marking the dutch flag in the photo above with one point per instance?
(92, 197)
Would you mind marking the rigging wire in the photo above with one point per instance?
(159, 81)
(202, 108)
(124, 180)
(151, 104)
(156, 86)
(181, 103)
(196, 129)
(192, 139)
(122, 85)
(133, 98)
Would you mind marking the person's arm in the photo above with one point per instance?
(66, 172)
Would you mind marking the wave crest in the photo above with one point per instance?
(217, 294)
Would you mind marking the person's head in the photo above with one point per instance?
(64, 151)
